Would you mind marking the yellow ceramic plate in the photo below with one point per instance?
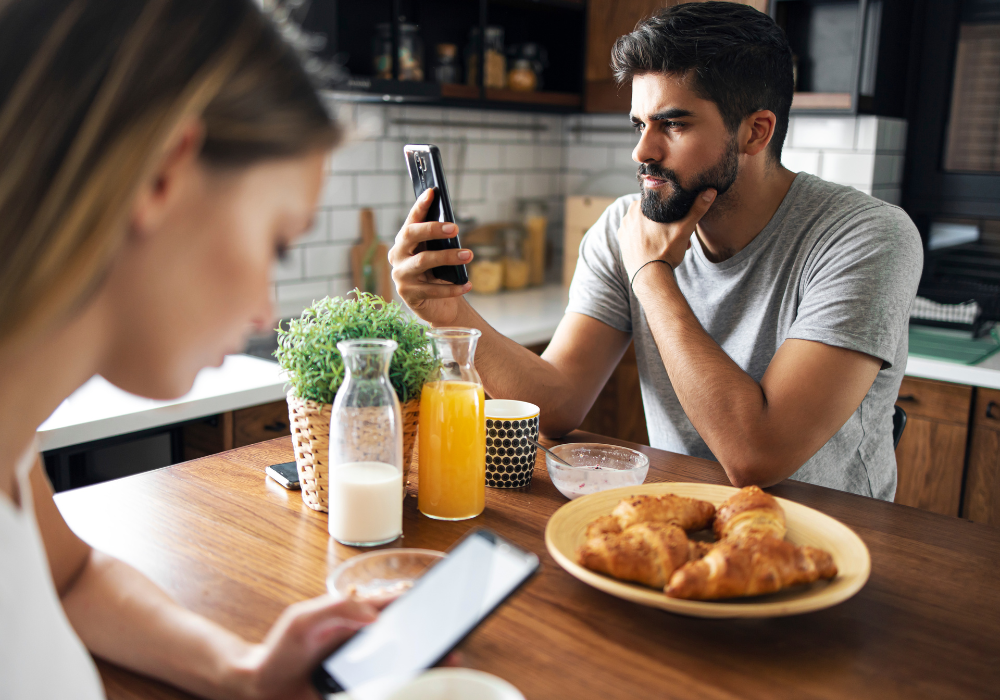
(564, 533)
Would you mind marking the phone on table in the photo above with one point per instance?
(285, 474)
(418, 630)
(426, 172)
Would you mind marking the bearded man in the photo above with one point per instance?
(769, 309)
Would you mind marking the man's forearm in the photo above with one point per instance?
(511, 371)
(725, 405)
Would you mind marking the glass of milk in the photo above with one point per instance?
(366, 448)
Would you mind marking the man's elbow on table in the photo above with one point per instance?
(757, 469)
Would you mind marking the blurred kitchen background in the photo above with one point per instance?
(899, 99)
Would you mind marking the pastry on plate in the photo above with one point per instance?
(750, 566)
(686, 513)
(647, 553)
(749, 513)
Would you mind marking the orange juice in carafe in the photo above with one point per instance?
(452, 453)
(452, 431)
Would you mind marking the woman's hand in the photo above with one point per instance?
(304, 635)
(435, 301)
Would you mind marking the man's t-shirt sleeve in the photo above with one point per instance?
(599, 289)
(858, 288)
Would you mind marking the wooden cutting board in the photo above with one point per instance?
(370, 270)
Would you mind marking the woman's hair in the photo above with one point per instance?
(90, 93)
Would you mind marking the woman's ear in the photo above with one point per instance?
(761, 129)
(158, 194)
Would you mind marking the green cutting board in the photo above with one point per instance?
(951, 345)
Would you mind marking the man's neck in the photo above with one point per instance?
(746, 209)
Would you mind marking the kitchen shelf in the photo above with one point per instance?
(555, 99)
(821, 100)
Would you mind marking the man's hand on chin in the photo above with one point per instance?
(642, 240)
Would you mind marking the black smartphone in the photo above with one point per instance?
(419, 629)
(285, 474)
(426, 172)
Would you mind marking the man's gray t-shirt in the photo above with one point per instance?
(833, 265)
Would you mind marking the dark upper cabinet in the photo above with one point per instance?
(358, 34)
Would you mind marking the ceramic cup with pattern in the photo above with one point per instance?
(510, 458)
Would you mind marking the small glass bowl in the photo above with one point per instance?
(596, 468)
(381, 574)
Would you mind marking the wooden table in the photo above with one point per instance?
(238, 548)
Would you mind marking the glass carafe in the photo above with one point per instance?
(366, 448)
(452, 452)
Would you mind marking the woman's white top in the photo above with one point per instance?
(40, 655)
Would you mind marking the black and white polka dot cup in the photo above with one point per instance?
(510, 458)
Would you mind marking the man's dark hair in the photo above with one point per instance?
(732, 54)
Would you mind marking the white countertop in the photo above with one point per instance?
(100, 410)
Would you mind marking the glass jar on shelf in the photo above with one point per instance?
(411, 53)
(446, 67)
(486, 269)
(382, 51)
(495, 75)
(366, 448)
(516, 271)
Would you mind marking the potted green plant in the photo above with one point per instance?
(307, 352)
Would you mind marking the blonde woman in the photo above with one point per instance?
(156, 156)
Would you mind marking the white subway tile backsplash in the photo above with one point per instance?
(848, 168)
(590, 158)
(391, 158)
(500, 188)
(338, 190)
(891, 135)
(866, 133)
(467, 187)
(888, 170)
(371, 121)
(536, 185)
(892, 195)
(548, 157)
(388, 221)
(622, 158)
(355, 156)
(801, 160)
(304, 292)
(818, 132)
(379, 189)
(327, 260)
(517, 156)
(483, 156)
(345, 225)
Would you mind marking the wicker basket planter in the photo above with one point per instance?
(310, 425)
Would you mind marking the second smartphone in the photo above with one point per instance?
(423, 162)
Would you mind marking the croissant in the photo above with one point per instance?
(647, 553)
(687, 513)
(747, 567)
(606, 524)
(747, 513)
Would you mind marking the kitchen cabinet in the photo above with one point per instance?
(930, 457)
(606, 21)
(982, 487)
(348, 29)
(232, 429)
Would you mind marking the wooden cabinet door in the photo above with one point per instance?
(982, 487)
(260, 423)
(930, 458)
(606, 21)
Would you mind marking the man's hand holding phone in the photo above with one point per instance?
(436, 301)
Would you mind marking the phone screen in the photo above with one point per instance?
(418, 630)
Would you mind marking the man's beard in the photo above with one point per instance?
(675, 206)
